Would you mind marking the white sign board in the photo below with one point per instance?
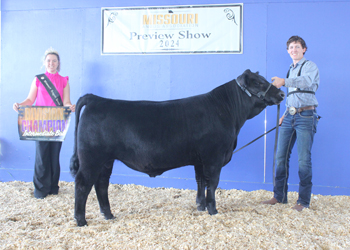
(173, 29)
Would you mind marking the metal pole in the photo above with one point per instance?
(275, 149)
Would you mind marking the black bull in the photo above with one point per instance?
(154, 137)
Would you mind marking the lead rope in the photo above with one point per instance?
(275, 149)
(278, 112)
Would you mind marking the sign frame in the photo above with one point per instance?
(115, 34)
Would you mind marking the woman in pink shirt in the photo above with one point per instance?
(47, 166)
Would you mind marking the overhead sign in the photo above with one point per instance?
(173, 29)
(41, 123)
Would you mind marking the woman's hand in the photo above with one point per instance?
(15, 106)
(72, 108)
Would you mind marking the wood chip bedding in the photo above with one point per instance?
(167, 218)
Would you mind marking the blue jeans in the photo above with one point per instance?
(299, 128)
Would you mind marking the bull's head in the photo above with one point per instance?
(256, 85)
(260, 90)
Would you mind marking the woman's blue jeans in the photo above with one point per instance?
(299, 128)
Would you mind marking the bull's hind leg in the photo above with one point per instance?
(200, 199)
(101, 188)
(212, 175)
(82, 189)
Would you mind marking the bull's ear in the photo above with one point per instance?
(246, 78)
(257, 72)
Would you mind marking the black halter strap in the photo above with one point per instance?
(261, 95)
(298, 89)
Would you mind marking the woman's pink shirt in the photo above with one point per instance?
(43, 98)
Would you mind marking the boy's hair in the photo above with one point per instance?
(297, 39)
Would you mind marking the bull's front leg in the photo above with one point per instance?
(82, 190)
(101, 188)
(213, 177)
(200, 199)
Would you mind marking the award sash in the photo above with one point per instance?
(51, 89)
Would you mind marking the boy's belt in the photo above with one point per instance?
(293, 110)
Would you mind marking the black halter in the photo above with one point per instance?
(261, 95)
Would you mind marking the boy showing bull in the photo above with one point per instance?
(298, 124)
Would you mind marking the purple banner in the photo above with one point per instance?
(41, 123)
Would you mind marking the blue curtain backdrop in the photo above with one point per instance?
(73, 28)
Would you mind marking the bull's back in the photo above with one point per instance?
(141, 134)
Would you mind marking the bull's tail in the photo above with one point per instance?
(74, 161)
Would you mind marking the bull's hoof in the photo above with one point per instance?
(201, 207)
(80, 220)
(109, 216)
(81, 223)
(212, 211)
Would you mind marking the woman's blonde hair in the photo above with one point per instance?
(51, 51)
